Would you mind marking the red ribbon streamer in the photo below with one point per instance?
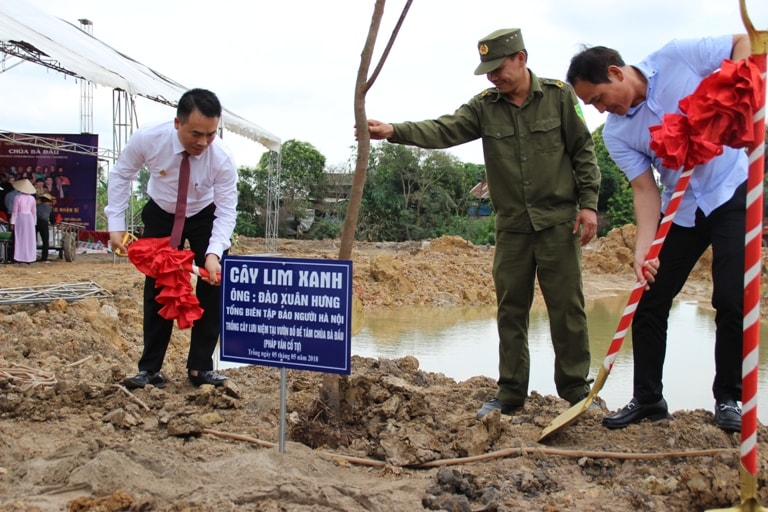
(155, 258)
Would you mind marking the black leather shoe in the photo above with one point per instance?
(635, 412)
(207, 377)
(493, 404)
(143, 378)
(728, 416)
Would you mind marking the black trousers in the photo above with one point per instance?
(157, 330)
(42, 227)
(724, 231)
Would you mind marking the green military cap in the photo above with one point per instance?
(496, 46)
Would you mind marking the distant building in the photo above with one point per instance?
(482, 206)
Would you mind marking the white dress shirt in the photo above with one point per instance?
(212, 179)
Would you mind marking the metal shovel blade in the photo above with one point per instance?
(568, 417)
(748, 495)
(750, 505)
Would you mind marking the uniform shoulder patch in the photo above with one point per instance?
(557, 83)
(486, 92)
(579, 111)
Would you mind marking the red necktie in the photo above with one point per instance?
(181, 201)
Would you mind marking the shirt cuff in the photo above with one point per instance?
(116, 223)
(215, 248)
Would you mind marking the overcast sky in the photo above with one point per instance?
(290, 66)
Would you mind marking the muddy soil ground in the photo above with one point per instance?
(72, 438)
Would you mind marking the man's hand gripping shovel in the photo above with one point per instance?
(128, 239)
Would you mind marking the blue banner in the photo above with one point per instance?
(287, 312)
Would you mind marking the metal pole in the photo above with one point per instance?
(283, 378)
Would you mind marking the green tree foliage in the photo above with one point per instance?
(621, 210)
(383, 212)
(302, 181)
(331, 208)
(136, 204)
(141, 182)
(413, 194)
(101, 199)
(612, 180)
(478, 230)
(328, 227)
(252, 201)
(302, 176)
(474, 172)
(615, 195)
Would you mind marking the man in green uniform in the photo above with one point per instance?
(543, 181)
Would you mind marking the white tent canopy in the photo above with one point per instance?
(31, 34)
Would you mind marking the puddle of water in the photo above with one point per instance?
(462, 342)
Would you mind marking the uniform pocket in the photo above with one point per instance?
(498, 131)
(499, 141)
(545, 135)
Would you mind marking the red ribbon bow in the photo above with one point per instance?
(719, 112)
(678, 146)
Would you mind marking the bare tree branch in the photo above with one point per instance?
(390, 43)
(362, 85)
(363, 137)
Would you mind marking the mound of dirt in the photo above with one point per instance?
(397, 439)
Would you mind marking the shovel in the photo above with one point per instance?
(568, 417)
(752, 266)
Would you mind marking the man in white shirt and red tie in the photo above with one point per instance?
(208, 222)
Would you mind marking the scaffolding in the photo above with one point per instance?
(86, 89)
(69, 292)
(124, 119)
(273, 203)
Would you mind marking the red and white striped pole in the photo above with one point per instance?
(752, 277)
